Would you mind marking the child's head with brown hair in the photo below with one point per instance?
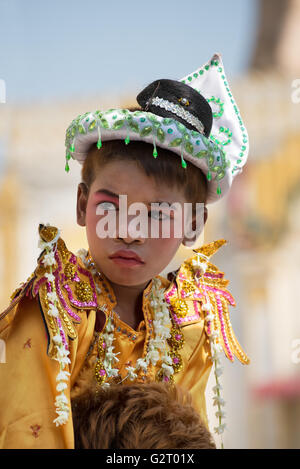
(138, 416)
(165, 195)
(165, 169)
(131, 170)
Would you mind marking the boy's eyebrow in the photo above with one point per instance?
(107, 192)
(113, 194)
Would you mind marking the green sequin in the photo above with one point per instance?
(146, 131)
(180, 127)
(155, 153)
(134, 126)
(201, 154)
(81, 129)
(176, 142)
(104, 123)
(208, 176)
(167, 121)
(72, 148)
(92, 125)
(220, 175)
(189, 147)
(210, 160)
(127, 140)
(219, 190)
(160, 135)
(118, 124)
(67, 168)
(99, 144)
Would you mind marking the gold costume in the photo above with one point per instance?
(29, 376)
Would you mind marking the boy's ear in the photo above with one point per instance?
(82, 198)
(196, 228)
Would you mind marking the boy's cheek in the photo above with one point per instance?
(164, 247)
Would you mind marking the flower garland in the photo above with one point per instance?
(215, 346)
(61, 401)
(158, 348)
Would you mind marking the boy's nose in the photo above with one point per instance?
(131, 239)
(132, 231)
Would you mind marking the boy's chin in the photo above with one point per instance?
(129, 280)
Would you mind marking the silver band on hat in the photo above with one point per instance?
(179, 111)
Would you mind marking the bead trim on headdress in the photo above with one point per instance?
(148, 127)
(179, 111)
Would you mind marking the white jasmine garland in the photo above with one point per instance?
(216, 350)
(111, 372)
(61, 401)
(218, 401)
(49, 259)
(169, 370)
(131, 373)
(52, 296)
(141, 363)
(157, 347)
(63, 376)
(83, 254)
(110, 355)
(53, 311)
(153, 356)
(61, 386)
(220, 429)
(57, 339)
(49, 277)
(218, 371)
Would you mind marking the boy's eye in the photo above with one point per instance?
(107, 205)
(158, 215)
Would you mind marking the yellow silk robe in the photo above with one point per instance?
(28, 378)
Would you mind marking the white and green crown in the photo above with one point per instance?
(221, 156)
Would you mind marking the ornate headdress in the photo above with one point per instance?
(196, 118)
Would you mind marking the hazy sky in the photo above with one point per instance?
(63, 48)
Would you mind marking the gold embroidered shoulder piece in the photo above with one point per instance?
(195, 294)
(63, 286)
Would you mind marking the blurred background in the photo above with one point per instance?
(59, 59)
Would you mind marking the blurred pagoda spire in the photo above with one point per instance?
(278, 37)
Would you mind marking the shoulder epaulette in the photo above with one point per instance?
(199, 291)
(62, 284)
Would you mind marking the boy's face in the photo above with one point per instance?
(130, 255)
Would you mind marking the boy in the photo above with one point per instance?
(106, 314)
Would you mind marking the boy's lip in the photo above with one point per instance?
(127, 255)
